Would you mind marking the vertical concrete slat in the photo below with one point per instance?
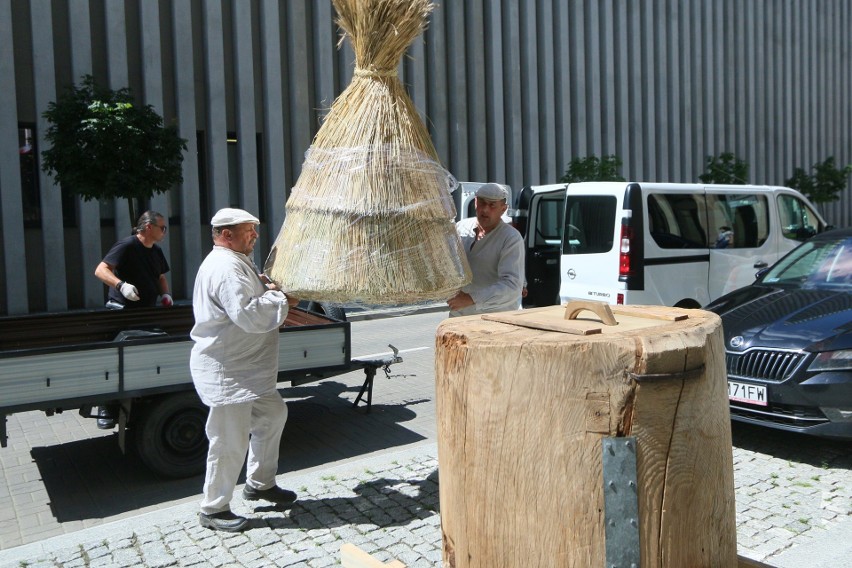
(495, 86)
(89, 215)
(11, 205)
(152, 81)
(298, 93)
(274, 140)
(244, 102)
(119, 77)
(52, 226)
(438, 92)
(191, 215)
(550, 171)
(218, 180)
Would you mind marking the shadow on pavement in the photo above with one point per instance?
(91, 478)
(381, 502)
(800, 448)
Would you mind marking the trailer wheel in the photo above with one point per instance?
(170, 435)
(328, 310)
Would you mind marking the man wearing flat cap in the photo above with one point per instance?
(234, 366)
(495, 252)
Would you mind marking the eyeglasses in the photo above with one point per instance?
(163, 228)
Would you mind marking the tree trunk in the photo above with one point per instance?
(522, 410)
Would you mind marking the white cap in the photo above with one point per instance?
(493, 192)
(228, 216)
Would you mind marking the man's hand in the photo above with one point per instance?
(460, 300)
(129, 291)
(166, 301)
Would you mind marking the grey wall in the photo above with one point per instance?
(511, 91)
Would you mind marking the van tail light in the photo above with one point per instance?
(624, 251)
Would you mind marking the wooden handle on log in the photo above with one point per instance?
(600, 309)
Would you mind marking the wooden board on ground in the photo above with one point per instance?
(353, 557)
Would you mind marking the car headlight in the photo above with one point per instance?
(840, 360)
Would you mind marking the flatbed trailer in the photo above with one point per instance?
(137, 361)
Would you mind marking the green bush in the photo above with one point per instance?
(103, 145)
(725, 169)
(592, 168)
(824, 184)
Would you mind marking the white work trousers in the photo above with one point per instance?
(234, 429)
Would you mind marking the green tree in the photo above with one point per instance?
(104, 145)
(592, 168)
(824, 184)
(725, 169)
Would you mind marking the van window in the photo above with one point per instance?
(798, 221)
(589, 224)
(548, 225)
(677, 220)
(741, 220)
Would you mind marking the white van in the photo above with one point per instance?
(656, 243)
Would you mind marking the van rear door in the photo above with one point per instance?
(539, 217)
(589, 267)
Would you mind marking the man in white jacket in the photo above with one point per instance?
(495, 252)
(234, 366)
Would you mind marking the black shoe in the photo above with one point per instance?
(105, 419)
(274, 494)
(223, 521)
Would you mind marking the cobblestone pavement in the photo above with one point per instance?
(388, 506)
(367, 479)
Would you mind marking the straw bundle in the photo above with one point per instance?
(370, 219)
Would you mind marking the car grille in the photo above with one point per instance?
(763, 364)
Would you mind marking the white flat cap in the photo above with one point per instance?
(230, 216)
(493, 192)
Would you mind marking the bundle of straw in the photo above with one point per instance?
(370, 219)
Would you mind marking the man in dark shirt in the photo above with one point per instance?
(135, 267)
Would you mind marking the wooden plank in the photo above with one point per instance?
(743, 562)
(353, 557)
(89, 326)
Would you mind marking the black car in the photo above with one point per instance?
(788, 341)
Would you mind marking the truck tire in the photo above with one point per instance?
(170, 437)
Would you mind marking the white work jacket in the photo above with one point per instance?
(497, 264)
(235, 356)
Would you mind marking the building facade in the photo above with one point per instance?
(511, 91)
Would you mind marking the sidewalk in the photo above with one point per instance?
(386, 504)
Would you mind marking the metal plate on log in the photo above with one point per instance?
(621, 502)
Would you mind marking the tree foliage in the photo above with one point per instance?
(104, 145)
(824, 184)
(725, 169)
(592, 168)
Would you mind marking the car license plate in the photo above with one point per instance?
(744, 392)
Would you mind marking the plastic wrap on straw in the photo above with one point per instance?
(346, 246)
(371, 219)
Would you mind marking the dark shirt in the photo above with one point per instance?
(139, 265)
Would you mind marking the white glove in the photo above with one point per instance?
(129, 291)
(166, 300)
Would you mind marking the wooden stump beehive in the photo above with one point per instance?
(524, 402)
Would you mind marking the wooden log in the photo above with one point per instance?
(521, 415)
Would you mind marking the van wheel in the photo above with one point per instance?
(328, 310)
(688, 304)
(170, 435)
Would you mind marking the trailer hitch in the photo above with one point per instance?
(370, 368)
